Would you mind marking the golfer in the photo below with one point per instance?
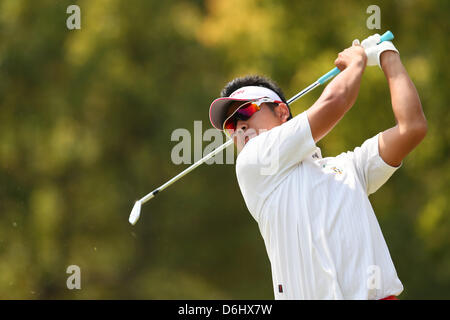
(321, 234)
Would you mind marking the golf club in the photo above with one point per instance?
(136, 211)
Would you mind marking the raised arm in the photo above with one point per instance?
(340, 94)
(395, 143)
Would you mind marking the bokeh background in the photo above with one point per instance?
(86, 118)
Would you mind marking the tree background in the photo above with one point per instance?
(86, 118)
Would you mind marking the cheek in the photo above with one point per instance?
(264, 119)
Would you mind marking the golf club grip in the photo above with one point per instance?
(387, 36)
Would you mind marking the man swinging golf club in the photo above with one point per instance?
(320, 231)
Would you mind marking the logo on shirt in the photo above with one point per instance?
(333, 169)
(337, 170)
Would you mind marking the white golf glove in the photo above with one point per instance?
(374, 50)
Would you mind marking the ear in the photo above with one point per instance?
(282, 111)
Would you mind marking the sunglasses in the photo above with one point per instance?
(244, 112)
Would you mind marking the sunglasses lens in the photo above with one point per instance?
(244, 113)
(248, 111)
(230, 126)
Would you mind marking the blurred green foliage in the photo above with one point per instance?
(85, 123)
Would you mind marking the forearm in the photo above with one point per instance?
(395, 143)
(405, 100)
(336, 99)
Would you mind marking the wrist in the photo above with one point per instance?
(359, 64)
(389, 60)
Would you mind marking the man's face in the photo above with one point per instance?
(263, 120)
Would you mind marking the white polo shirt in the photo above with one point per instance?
(320, 231)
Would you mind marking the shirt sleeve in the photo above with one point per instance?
(268, 158)
(371, 169)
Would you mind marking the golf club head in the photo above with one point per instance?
(135, 213)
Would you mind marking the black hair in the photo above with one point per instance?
(254, 80)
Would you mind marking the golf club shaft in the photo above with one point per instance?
(323, 79)
(303, 92)
(216, 151)
(186, 171)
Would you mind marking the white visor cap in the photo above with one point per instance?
(219, 107)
